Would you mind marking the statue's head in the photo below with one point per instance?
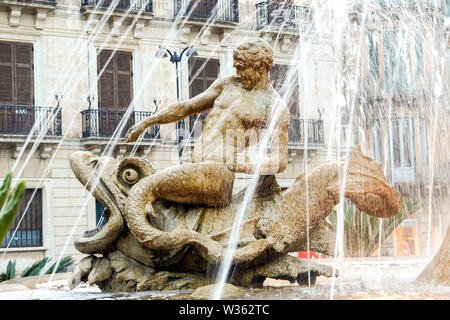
(253, 60)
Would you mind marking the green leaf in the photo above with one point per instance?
(64, 263)
(11, 270)
(5, 188)
(9, 210)
(36, 268)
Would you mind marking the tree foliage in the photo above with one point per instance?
(37, 268)
(362, 232)
(9, 203)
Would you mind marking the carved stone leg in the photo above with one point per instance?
(209, 184)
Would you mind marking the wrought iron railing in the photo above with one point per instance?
(296, 131)
(409, 3)
(136, 5)
(280, 15)
(379, 88)
(227, 10)
(19, 120)
(314, 131)
(103, 123)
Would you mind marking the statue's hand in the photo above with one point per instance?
(134, 132)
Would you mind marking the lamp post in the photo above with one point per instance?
(175, 58)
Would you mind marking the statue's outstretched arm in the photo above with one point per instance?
(178, 111)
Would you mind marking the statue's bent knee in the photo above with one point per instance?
(209, 184)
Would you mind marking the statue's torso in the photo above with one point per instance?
(235, 121)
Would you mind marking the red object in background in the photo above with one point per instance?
(304, 255)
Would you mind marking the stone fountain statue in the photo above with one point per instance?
(166, 228)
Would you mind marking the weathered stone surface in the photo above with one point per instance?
(101, 270)
(438, 270)
(206, 292)
(285, 268)
(81, 271)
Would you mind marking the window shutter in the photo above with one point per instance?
(24, 73)
(115, 83)
(212, 72)
(123, 4)
(106, 90)
(124, 78)
(373, 53)
(201, 8)
(202, 74)
(6, 73)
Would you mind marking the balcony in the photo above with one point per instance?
(136, 12)
(17, 122)
(314, 132)
(17, 8)
(122, 5)
(416, 93)
(102, 123)
(399, 4)
(296, 132)
(99, 125)
(273, 16)
(220, 11)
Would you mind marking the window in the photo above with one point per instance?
(419, 54)
(285, 81)
(17, 114)
(402, 150)
(424, 140)
(29, 233)
(201, 8)
(115, 83)
(16, 73)
(115, 89)
(377, 143)
(99, 208)
(397, 62)
(221, 10)
(373, 55)
(202, 74)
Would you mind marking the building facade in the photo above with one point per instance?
(79, 65)
(402, 111)
(70, 70)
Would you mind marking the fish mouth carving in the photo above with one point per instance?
(94, 173)
(109, 181)
(105, 217)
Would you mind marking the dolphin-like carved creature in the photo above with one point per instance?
(276, 221)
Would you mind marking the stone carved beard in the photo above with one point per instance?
(249, 77)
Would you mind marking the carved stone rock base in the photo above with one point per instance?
(118, 273)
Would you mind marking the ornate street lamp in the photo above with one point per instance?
(175, 58)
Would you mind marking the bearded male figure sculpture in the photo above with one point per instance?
(243, 105)
(166, 228)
